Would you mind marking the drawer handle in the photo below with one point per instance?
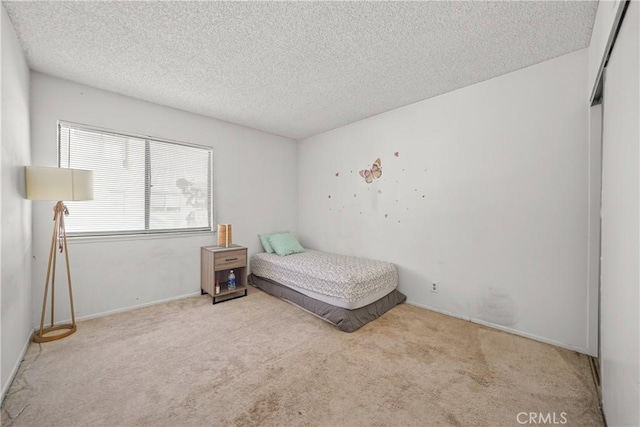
(231, 259)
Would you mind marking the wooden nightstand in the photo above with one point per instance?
(215, 264)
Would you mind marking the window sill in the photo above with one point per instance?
(130, 237)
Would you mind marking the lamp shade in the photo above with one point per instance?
(58, 184)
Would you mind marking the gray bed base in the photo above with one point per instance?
(346, 320)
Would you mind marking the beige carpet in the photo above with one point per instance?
(261, 361)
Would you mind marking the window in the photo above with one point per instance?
(142, 185)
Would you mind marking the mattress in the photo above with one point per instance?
(339, 280)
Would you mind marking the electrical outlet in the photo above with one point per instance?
(435, 287)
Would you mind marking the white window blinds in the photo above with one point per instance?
(141, 185)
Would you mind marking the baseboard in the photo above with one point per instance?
(14, 371)
(122, 310)
(534, 337)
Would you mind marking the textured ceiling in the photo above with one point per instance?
(293, 68)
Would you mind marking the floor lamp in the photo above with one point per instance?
(57, 184)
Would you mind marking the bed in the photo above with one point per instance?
(346, 291)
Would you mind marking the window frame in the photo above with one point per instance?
(176, 232)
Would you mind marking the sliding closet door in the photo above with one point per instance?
(620, 266)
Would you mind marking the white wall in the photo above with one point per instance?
(488, 196)
(15, 250)
(620, 305)
(254, 184)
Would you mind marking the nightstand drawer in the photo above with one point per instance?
(230, 259)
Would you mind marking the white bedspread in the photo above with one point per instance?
(340, 280)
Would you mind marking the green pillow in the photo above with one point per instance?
(264, 239)
(285, 244)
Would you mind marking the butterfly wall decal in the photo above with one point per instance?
(374, 172)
